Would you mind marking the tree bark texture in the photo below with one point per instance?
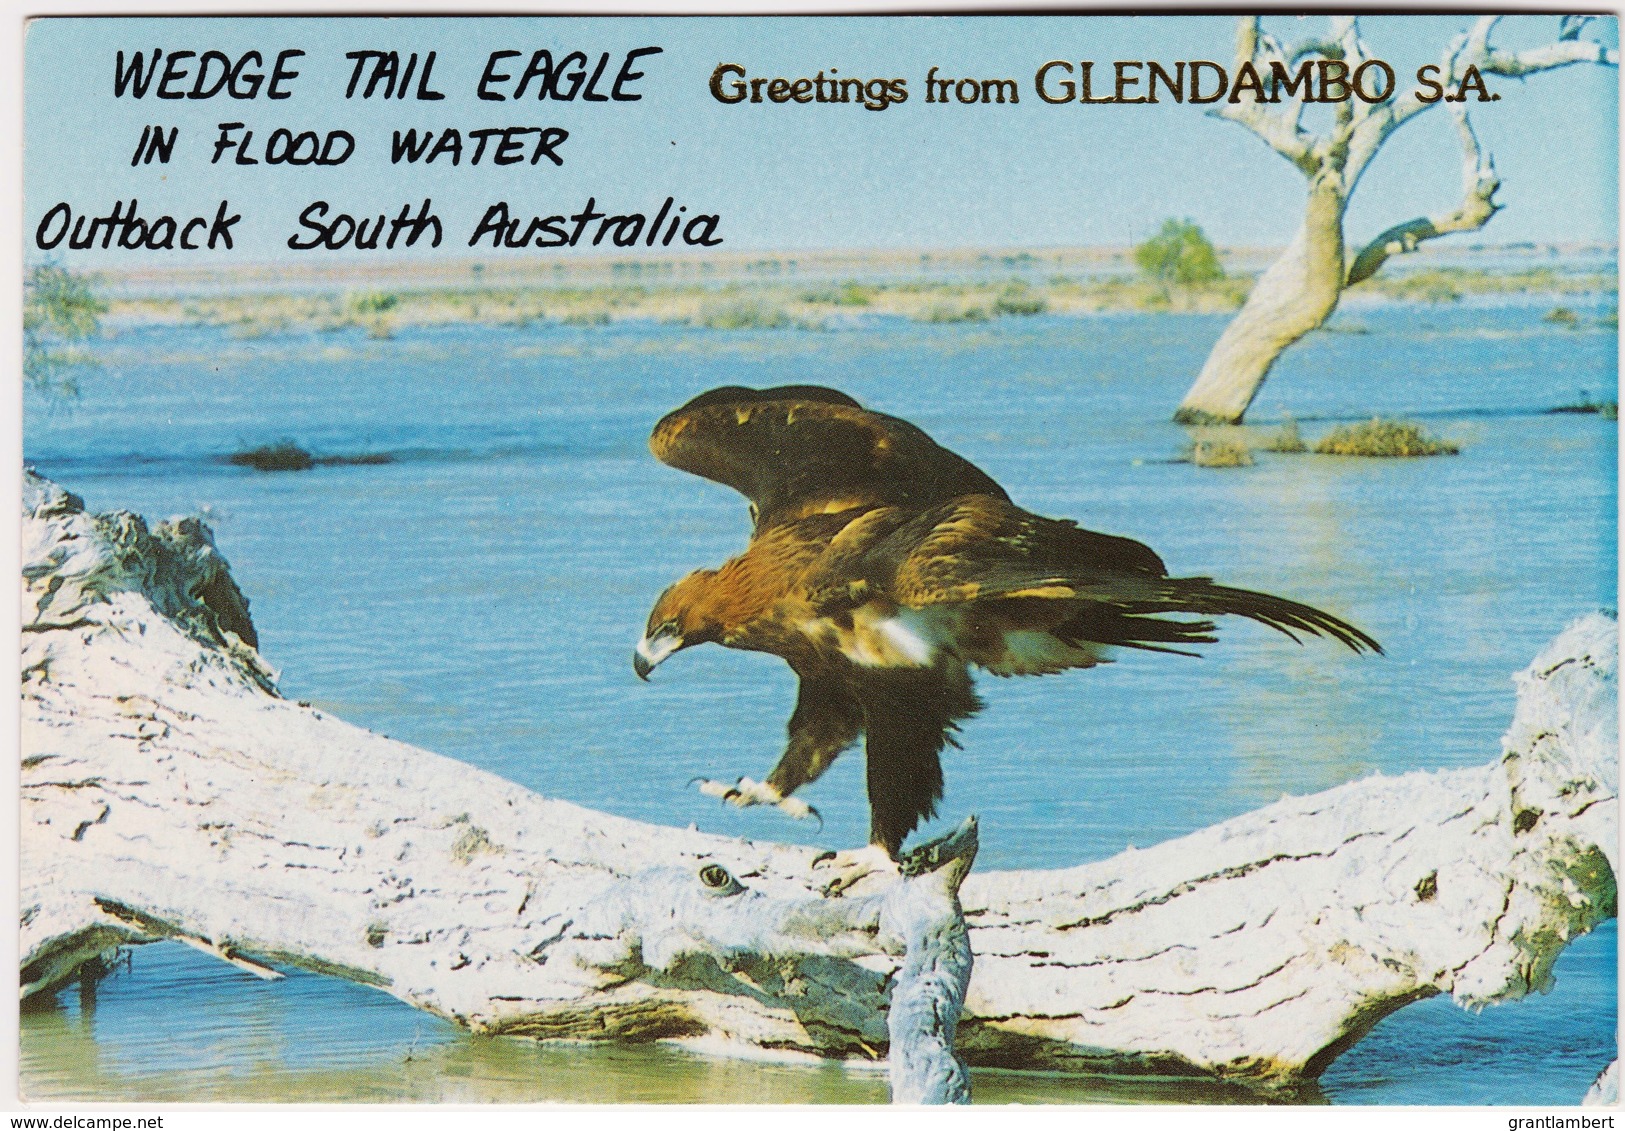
(1295, 295)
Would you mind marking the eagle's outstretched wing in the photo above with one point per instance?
(798, 450)
(981, 549)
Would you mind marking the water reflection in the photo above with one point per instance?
(313, 1039)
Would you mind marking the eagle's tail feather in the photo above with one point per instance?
(1102, 624)
(1130, 619)
(1200, 595)
(1155, 648)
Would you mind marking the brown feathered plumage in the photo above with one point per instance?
(883, 567)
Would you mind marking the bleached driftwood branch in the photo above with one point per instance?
(168, 792)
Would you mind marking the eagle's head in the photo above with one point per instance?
(680, 619)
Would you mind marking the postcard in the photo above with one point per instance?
(820, 560)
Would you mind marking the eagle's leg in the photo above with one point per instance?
(827, 720)
(909, 716)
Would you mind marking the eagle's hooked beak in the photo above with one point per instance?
(654, 648)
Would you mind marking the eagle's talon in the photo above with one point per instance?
(853, 866)
(744, 793)
(714, 788)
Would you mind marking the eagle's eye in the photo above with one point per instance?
(717, 879)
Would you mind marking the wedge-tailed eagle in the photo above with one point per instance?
(883, 568)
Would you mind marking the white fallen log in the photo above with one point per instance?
(169, 792)
(1604, 1090)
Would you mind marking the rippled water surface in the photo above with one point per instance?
(480, 596)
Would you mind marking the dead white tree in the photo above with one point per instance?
(168, 792)
(1301, 289)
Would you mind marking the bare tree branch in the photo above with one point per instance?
(1279, 129)
(1473, 50)
(1360, 128)
(1516, 64)
(1346, 32)
(1479, 185)
(1302, 288)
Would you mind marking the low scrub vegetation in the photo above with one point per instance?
(1585, 406)
(284, 455)
(1177, 275)
(1385, 439)
(60, 310)
(1220, 449)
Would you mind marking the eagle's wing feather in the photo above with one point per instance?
(982, 549)
(799, 450)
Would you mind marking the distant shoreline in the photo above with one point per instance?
(822, 290)
(336, 270)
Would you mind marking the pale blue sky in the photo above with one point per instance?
(799, 176)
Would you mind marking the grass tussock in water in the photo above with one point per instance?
(950, 313)
(284, 455)
(1020, 300)
(847, 294)
(1384, 439)
(1585, 406)
(1220, 448)
(745, 314)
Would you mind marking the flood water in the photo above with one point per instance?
(480, 596)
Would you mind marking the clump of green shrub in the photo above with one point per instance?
(743, 314)
(1388, 439)
(374, 302)
(1562, 316)
(946, 313)
(1220, 449)
(847, 294)
(59, 310)
(284, 455)
(1180, 254)
(1019, 299)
